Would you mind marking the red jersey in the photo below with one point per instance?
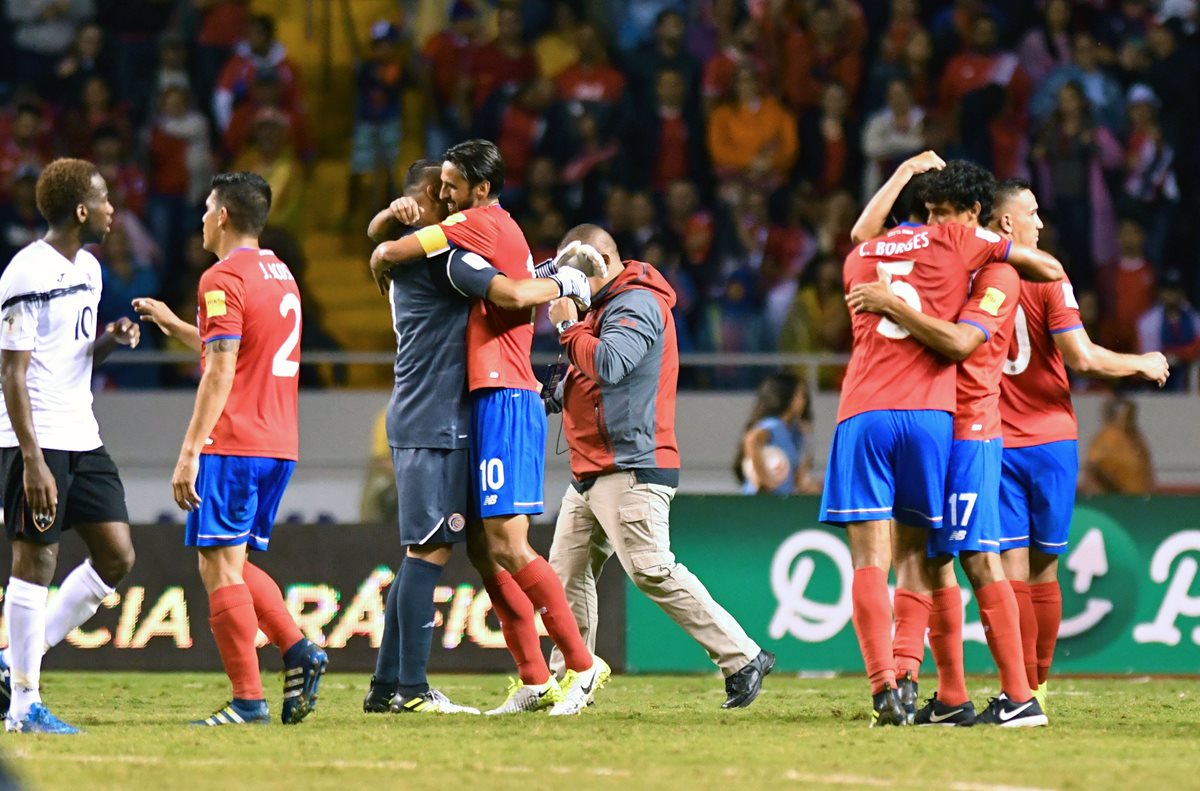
(929, 267)
(498, 341)
(991, 307)
(1035, 396)
(252, 296)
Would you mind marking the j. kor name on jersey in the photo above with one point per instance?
(275, 271)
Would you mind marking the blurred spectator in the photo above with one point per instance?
(903, 24)
(666, 51)
(829, 144)
(1102, 90)
(22, 147)
(1070, 154)
(692, 230)
(668, 144)
(590, 173)
(20, 221)
(714, 22)
(1151, 188)
(827, 53)
(505, 63)
(124, 278)
(532, 123)
(266, 93)
(1172, 75)
(539, 193)
(447, 54)
(1173, 327)
(1129, 289)
(914, 66)
(1118, 458)
(378, 503)
(983, 63)
(742, 53)
(664, 256)
(641, 224)
(774, 456)
(172, 63)
(180, 167)
(819, 322)
(126, 181)
(223, 24)
(833, 234)
(259, 52)
(96, 107)
(752, 137)
(85, 58)
(557, 49)
(789, 249)
(134, 28)
(733, 323)
(1048, 46)
(592, 84)
(891, 135)
(380, 79)
(633, 20)
(42, 33)
(271, 157)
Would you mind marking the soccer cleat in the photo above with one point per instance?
(237, 713)
(934, 712)
(379, 697)
(579, 688)
(743, 686)
(886, 708)
(5, 687)
(40, 720)
(521, 697)
(907, 694)
(1009, 714)
(431, 702)
(1039, 693)
(300, 682)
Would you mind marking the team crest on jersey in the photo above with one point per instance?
(214, 303)
(456, 523)
(993, 298)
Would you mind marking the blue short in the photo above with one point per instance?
(1037, 496)
(431, 491)
(508, 452)
(375, 145)
(239, 497)
(888, 464)
(972, 521)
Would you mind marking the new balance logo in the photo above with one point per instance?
(490, 499)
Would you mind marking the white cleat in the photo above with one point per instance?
(522, 697)
(431, 702)
(579, 688)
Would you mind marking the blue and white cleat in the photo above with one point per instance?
(40, 720)
(5, 686)
(301, 678)
(238, 713)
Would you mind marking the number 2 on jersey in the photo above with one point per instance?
(888, 328)
(282, 365)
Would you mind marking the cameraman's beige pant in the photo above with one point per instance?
(620, 516)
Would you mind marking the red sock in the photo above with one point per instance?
(1047, 607)
(946, 644)
(515, 612)
(545, 590)
(274, 618)
(912, 619)
(234, 625)
(872, 615)
(1002, 625)
(1029, 629)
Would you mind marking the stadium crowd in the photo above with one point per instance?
(730, 143)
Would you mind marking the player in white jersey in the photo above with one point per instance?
(54, 470)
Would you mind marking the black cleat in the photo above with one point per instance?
(379, 697)
(934, 712)
(743, 686)
(907, 694)
(1009, 714)
(886, 709)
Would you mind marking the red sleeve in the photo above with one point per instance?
(471, 230)
(580, 346)
(220, 300)
(976, 247)
(994, 296)
(1062, 311)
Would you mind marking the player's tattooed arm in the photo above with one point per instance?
(875, 214)
(211, 397)
(955, 341)
(41, 492)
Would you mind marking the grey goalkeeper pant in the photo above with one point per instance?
(620, 516)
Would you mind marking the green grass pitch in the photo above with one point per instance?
(657, 732)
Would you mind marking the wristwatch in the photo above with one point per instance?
(564, 325)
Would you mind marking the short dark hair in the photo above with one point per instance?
(910, 203)
(420, 171)
(1008, 189)
(63, 185)
(267, 23)
(478, 161)
(962, 184)
(247, 199)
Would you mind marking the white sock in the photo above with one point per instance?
(77, 600)
(25, 614)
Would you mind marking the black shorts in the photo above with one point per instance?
(89, 492)
(432, 486)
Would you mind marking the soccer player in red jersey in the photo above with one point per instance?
(892, 444)
(1041, 457)
(241, 445)
(508, 429)
(978, 341)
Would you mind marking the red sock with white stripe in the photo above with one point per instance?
(872, 615)
(1047, 607)
(545, 590)
(235, 627)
